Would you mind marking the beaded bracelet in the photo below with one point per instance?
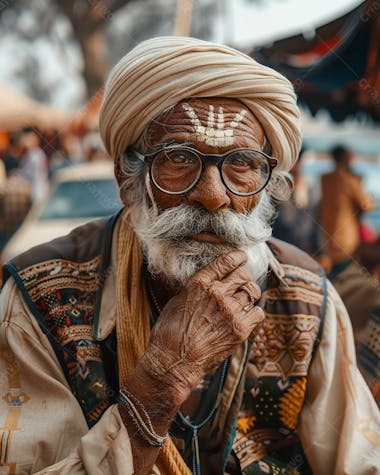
(129, 402)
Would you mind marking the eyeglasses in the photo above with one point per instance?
(177, 169)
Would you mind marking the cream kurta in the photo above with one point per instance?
(43, 425)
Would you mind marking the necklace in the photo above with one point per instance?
(195, 428)
(181, 419)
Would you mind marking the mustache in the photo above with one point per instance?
(179, 223)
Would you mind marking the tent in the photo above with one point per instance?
(338, 69)
(18, 111)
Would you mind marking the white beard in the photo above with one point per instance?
(171, 253)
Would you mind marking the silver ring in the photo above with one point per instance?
(249, 306)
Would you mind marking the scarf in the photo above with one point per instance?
(133, 325)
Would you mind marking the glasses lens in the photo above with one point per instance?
(245, 171)
(176, 170)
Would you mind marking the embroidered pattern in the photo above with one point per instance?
(246, 423)
(15, 398)
(216, 132)
(277, 374)
(291, 402)
(283, 346)
(64, 294)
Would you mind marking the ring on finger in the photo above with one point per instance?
(251, 304)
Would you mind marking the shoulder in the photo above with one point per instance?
(355, 179)
(15, 315)
(291, 255)
(81, 245)
(326, 179)
(327, 176)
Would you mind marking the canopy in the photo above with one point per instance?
(18, 111)
(339, 68)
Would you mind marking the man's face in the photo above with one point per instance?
(212, 126)
(187, 231)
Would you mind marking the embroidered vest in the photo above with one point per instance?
(266, 439)
(62, 283)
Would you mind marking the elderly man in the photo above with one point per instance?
(176, 337)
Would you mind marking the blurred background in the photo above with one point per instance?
(55, 56)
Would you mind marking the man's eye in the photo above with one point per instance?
(239, 161)
(180, 158)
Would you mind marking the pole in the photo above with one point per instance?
(183, 18)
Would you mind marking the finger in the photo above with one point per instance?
(244, 322)
(256, 315)
(250, 289)
(251, 317)
(246, 301)
(239, 288)
(231, 284)
(239, 276)
(220, 267)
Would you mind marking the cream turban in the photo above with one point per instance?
(160, 72)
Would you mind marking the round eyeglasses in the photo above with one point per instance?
(177, 169)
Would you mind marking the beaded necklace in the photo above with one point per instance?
(180, 418)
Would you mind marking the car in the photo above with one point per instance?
(78, 193)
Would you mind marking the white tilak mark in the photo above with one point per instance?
(216, 137)
(238, 118)
(220, 118)
(211, 117)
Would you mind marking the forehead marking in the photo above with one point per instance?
(216, 132)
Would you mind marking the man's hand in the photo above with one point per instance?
(203, 324)
(196, 331)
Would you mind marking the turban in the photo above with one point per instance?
(160, 72)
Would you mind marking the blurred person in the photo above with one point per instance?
(3, 174)
(297, 219)
(343, 200)
(368, 353)
(15, 202)
(49, 141)
(93, 148)
(177, 337)
(359, 287)
(13, 154)
(34, 164)
(62, 156)
(3, 146)
(14, 191)
(368, 306)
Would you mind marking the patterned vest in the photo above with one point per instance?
(266, 439)
(62, 284)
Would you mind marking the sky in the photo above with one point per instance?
(256, 23)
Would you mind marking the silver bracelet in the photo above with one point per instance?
(146, 429)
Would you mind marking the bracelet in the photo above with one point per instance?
(129, 402)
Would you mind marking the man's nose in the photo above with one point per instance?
(210, 192)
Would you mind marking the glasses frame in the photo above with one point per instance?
(205, 159)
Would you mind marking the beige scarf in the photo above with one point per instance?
(133, 325)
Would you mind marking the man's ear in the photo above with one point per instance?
(130, 154)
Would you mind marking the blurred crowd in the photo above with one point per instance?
(29, 160)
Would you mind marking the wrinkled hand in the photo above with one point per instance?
(203, 324)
